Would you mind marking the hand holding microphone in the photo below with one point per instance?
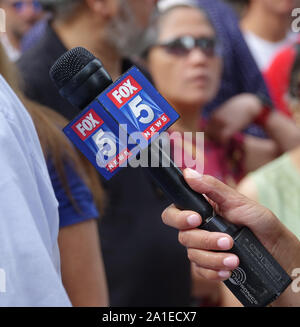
(210, 251)
(132, 105)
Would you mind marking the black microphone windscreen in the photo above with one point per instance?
(69, 64)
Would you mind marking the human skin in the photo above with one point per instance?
(238, 209)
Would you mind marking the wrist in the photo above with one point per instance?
(289, 258)
(287, 250)
(266, 109)
(263, 117)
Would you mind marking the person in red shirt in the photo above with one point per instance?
(278, 78)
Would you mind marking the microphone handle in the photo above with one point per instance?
(259, 279)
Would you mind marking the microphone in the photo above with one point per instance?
(130, 105)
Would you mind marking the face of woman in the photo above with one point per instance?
(186, 78)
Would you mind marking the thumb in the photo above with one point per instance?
(224, 196)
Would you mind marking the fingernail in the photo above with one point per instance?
(224, 274)
(230, 262)
(224, 243)
(191, 173)
(193, 220)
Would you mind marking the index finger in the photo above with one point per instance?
(179, 219)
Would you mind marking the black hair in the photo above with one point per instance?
(152, 33)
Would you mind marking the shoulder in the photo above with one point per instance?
(35, 63)
(32, 59)
(11, 107)
(17, 130)
(33, 68)
(248, 188)
(268, 177)
(274, 170)
(216, 7)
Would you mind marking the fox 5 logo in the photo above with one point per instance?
(296, 21)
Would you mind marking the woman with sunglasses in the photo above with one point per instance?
(185, 63)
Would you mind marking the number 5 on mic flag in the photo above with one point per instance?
(109, 130)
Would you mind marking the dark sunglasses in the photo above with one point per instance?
(21, 5)
(183, 45)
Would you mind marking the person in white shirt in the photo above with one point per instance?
(266, 25)
(29, 254)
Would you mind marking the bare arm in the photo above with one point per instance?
(240, 111)
(248, 188)
(82, 267)
(283, 131)
(258, 152)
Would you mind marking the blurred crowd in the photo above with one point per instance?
(231, 69)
